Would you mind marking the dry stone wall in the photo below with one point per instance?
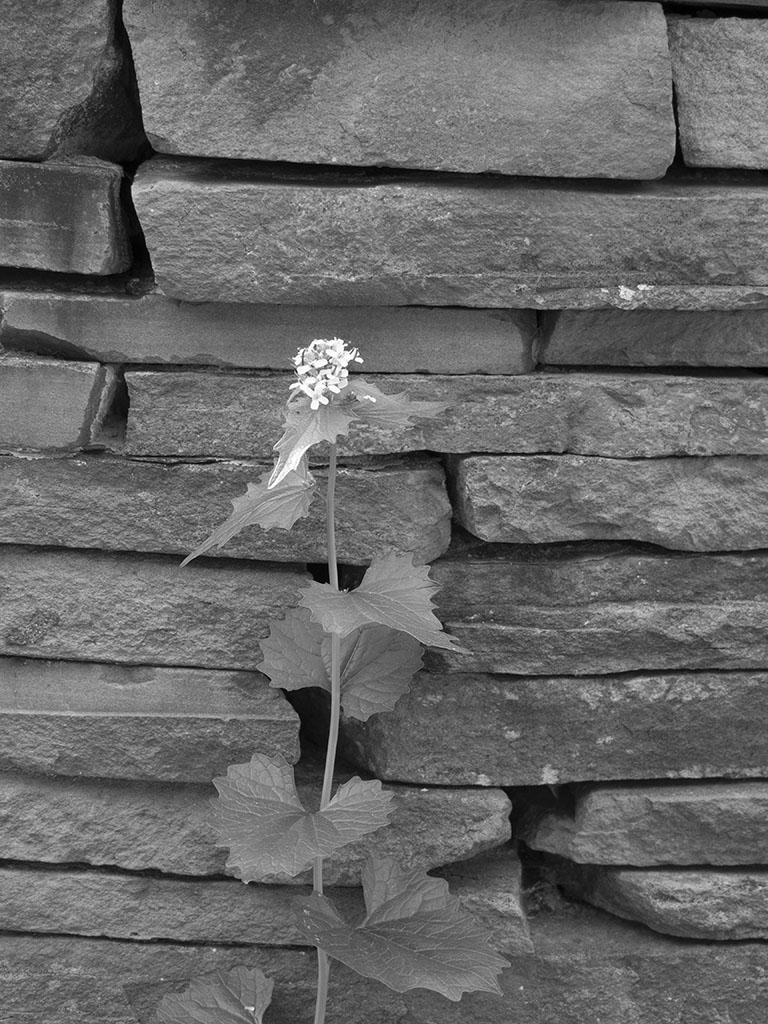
(554, 219)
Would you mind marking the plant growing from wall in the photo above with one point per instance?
(364, 646)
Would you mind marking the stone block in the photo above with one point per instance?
(502, 730)
(142, 610)
(237, 233)
(153, 329)
(50, 403)
(689, 504)
(129, 722)
(156, 826)
(650, 824)
(617, 415)
(64, 217)
(67, 84)
(696, 904)
(655, 337)
(115, 504)
(518, 88)
(720, 70)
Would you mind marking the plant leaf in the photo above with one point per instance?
(260, 818)
(303, 428)
(415, 935)
(236, 997)
(278, 507)
(377, 663)
(384, 410)
(393, 593)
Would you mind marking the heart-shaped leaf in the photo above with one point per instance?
(384, 410)
(415, 934)
(278, 507)
(393, 593)
(377, 663)
(305, 427)
(260, 817)
(237, 997)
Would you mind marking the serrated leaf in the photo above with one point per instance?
(384, 410)
(236, 997)
(415, 935)
(260, 817)
(393, 593)
(305, 427)
(270, 508)
(377, 663)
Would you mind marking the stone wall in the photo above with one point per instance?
(554, 218)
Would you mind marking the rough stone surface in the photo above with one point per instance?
(153, 329)
(135, 722)
(583, 610)
(212, 228)
(493, 730)
(618, 415)
(648, 824)
(520, 87)
(164, 827)
(138, 609)
(66, 84)
(652, 337)
(585, 963)
(695, 904)
(720, 70)
(688, 504)
(49, 403)
(115, 504)
(65, 217)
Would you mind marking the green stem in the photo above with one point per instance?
(323, 963)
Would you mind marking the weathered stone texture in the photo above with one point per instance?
(651, 337)
(138, 609)
(689, 504)
(492, 730)
(720, 70)
(520, 88)
(115, 504)
(713, 904)
(618, 415)
(136, 722)
(49, 403)
(66, 83)
(153, 329)
(648, 824)
(213, 234)
(163, 827)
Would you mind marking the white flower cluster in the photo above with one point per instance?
(322, 367)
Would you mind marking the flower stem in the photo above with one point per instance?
(323, 964)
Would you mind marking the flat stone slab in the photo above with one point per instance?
(518, 88)
(697, 904)
(651, 337)
(585, 610)
(62, 604)
(689, 504)
(213, 229)
(129, 722)
(65, 217)
(156, 826)
(49, 403)
(648, 824)
(153, 329)
(500, 730)
(621, 415)
(117, 504)
(720, 70)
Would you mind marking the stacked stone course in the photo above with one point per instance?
(485, 199)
